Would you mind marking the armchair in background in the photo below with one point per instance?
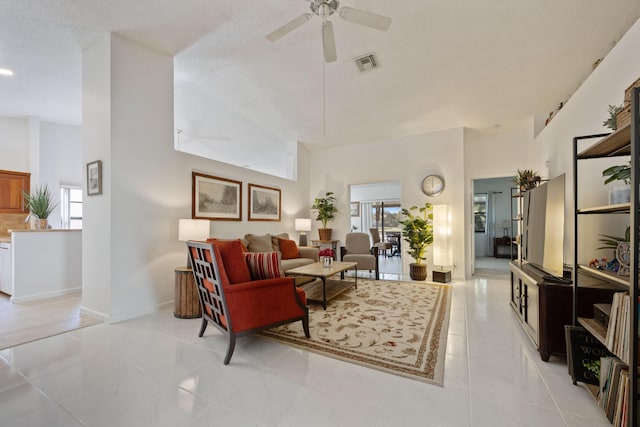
(358, 249)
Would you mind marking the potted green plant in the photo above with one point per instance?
(619, 194)
(620, 247)
(325, 208)
(526, 179)
(417, 231)
(40, 203)
(612, 122)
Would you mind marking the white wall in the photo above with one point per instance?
(13, 144)
(46, 264)
(96, 210)
(496, 153)
(407, 160)
(583, 114)
(61, 160)
(130, 231)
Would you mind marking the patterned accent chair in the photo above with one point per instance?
(242, 308)
(358, 249)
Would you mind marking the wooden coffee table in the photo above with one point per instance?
(330, 288)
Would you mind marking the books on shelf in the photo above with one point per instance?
(617, 339)
(613, 392)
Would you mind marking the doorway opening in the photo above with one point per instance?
(375, 209)
(492, 224)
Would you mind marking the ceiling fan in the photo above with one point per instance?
(324, 9)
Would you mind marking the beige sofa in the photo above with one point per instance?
(269, 243)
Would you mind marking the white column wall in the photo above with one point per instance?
(130, 231)
(96, 145)
(407, 160)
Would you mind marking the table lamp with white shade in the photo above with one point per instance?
(193, 229)
(302, 225)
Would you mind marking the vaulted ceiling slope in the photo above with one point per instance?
(441, 64)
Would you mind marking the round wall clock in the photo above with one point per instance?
(433, 185)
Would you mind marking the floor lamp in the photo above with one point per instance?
(441, 243)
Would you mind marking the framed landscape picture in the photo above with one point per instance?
(215, 198)
(94, 178)
(355, 208)
(264, 203)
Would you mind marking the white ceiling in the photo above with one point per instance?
(442, 64)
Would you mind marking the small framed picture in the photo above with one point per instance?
(215, 198)
(264, 203)
(94, 178)
(355, 208)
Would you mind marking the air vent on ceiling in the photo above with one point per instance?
(366, 63)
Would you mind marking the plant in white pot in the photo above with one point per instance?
(40, 203)
(619, 193)
(417, 231)
(325, 208)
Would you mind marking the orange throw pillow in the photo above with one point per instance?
(233, 260)
(289, 249)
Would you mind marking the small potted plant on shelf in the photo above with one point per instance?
(612, 122)
(619, 194)
(621, 250)
(40, 203)
(417, 231)
(526, 179)
(325, 208)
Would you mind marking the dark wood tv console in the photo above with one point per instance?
(543, 307)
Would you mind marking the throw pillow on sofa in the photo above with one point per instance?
(288, 248)
(275, 241)
(264, 265)
(259, 243)
(231, 252)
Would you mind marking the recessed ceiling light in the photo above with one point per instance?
(5, 72)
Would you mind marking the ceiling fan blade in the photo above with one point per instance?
(328, 42)
(368, 19)
(288, 27)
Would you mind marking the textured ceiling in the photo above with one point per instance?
(442, 64)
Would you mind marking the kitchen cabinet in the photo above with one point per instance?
(12, 186)
(6, 284)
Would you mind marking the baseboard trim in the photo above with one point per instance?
(46, 295)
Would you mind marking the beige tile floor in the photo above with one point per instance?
(155, 371)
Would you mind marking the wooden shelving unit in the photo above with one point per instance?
(623, 142)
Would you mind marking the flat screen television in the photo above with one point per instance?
(543, 227)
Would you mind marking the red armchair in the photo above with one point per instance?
(238, 309)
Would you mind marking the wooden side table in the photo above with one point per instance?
(186, 300)
(332, 243)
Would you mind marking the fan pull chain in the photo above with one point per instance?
(324, 101)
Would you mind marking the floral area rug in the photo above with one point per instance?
(397, 327)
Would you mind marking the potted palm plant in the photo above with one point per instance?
(41, 203)
(325, 208)
(526, 179)
(417, 231)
